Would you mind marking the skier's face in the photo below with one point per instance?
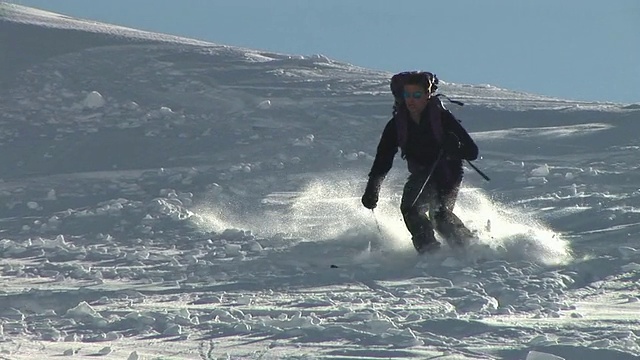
(416, 98)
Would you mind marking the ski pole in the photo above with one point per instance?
(478, 171)
(433, 168)
(375, 218)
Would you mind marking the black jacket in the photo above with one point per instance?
(422, 147)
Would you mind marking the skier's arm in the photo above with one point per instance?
(387, 149)
(468, 148)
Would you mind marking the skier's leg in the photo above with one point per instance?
(416, 217)
(449, 196)
(452, 228)
(448, 224)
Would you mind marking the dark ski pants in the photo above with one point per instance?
(433, 209)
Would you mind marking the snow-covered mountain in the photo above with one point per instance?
(171, 198)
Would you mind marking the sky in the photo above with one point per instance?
(573, 49)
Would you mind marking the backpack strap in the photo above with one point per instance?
(450, 100)
(433, 110)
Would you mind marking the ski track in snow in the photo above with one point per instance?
(169, 198)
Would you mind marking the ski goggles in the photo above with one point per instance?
(415, 94)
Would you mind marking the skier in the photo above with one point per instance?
(434, 143)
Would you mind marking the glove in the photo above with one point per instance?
(451, 144)
(370, 197)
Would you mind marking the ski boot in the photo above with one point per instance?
(425, 243)
(450, 227)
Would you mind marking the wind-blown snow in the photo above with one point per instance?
(171, 198)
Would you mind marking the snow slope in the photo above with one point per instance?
(170, 198)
